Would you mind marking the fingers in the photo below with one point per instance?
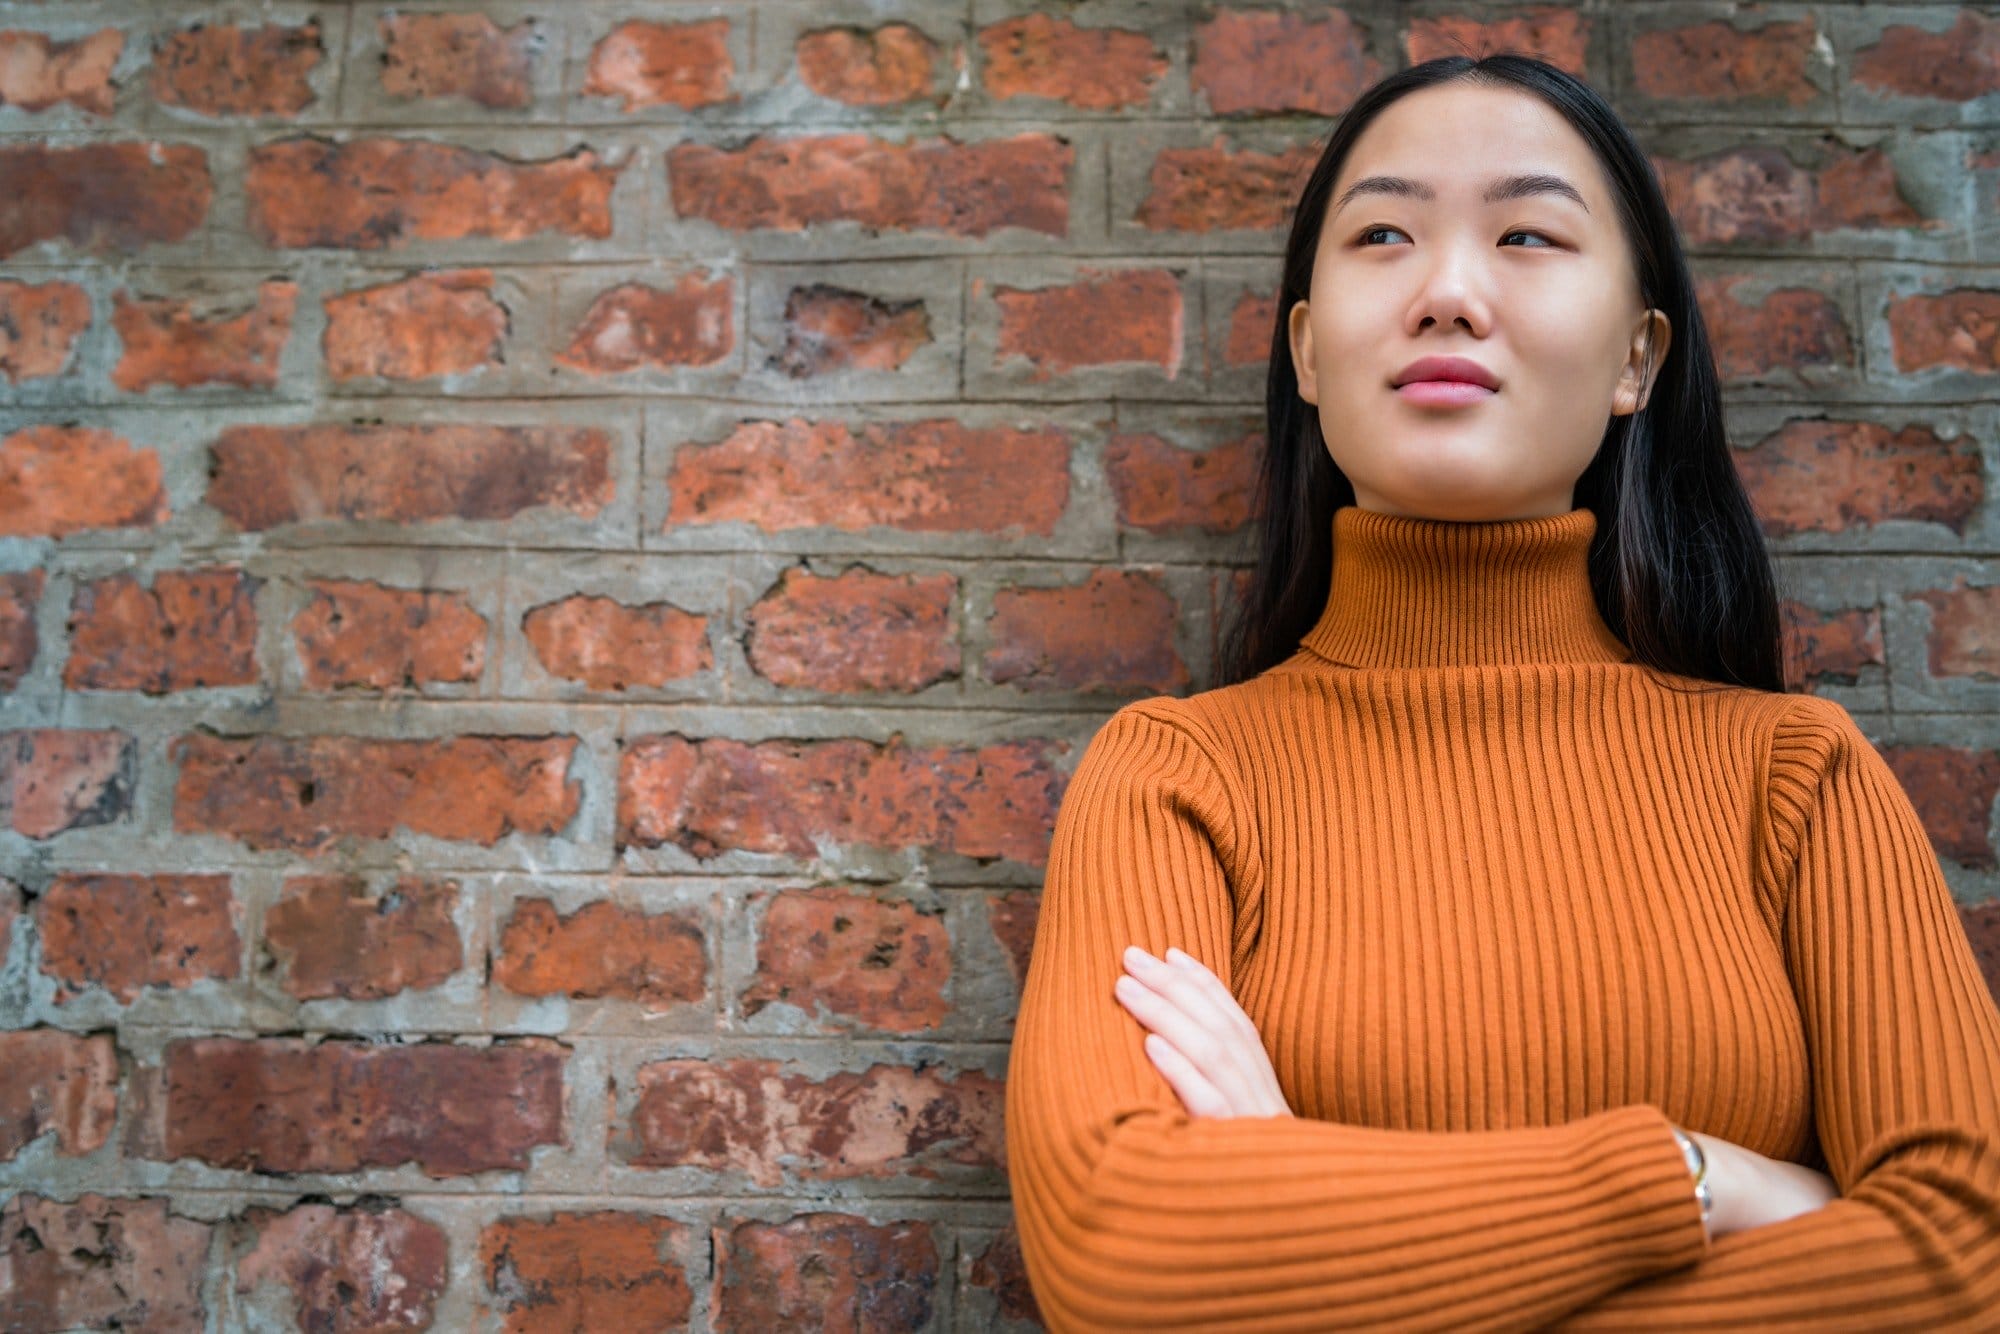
(1196, 1093)
(1180, 1002)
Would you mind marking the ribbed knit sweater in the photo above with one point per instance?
(1504, 906)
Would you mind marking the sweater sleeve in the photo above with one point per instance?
(1903, 1041)
(1134, 1215)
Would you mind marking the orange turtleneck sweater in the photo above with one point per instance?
(1503, 906)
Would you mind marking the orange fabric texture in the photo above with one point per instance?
(1503, 905)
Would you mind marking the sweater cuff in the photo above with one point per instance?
(1654, 1201)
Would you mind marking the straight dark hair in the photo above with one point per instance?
(1678, 564)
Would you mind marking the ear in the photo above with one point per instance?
(1298, 329)
(1651, 338)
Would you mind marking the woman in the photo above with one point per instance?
(1538, 947)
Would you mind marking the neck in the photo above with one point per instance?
(1415, 592)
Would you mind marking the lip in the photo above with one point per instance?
(1450, 370)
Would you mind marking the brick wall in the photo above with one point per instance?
(554, 560)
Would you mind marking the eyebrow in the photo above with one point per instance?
(1499, 189)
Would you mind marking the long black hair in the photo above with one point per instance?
(1678, 564)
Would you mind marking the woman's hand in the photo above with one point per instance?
(1751, 1190)
(1201, 1040)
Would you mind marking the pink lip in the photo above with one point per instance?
(1443, 393)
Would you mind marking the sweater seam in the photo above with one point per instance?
(1234, 864)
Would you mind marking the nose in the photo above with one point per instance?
(1450, 290)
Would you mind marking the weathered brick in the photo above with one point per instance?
(1965, 630)
(1758, 195)
(125, 933)
(633, 325)
(714, 795)
(359, 634)
(37, 73)
(40, 324)
(831, 329)
(646, 64)
(100, 1263)
(1982, 928)
(20, 596)
(371, 194)
(825, 1271)
(305, 793)
(1959, 328)
(264, 476)
(1012, 915)
(1792, 328)
(1160, 487)
(1222, 189)
(286, 1105)
(1719, 62)
(354, 1268)
(1956, 65)
(1137, 315)
(66, 1083)
(458, 55)
(964, 189)
(857, 630)
(755, 1117)
(10, 912)
(576, 1271)
(442, 322)
(867, 67)
(192, 628)
(1829, 476)
(1092, 69)
(1260, 61)
(1000, 1269)
(1251, 322)
(1952, 789)
(102, 197)
(936, 475)
(603, 950)
(1836, 645)
(607, 645)
(221, 69)
(1115, 631)
(335, 939)
(167, 342)
(58, 480)
(1556, 34)
(52, 781)
(846, 958)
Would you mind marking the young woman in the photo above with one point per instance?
(1500, 947)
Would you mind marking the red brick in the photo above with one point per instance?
(1792, 328)
(1952, 789)
(1758, 195)
(441, 322)
(607, 645)
(1719, 62)
(192, 628)
(1982, 927)
(355, 1268)
(921, 476)
(40, 324)
(102, 197)
(874, 67)
(1558, 35)
(56, 1081)
(1251, 322)
(825, 1271)
(226, 70)
(358, 634)
(603, 950)
(830, 329)
(855, 631)
(1160, 487)
(1957, 65)
(663, 64)
(58, 480)
(633, 326)
(37, 73)
(1273, 61)
(1836, 645)
(1113, 632)
(1830, 476)
(940, 184)
(305, 793)
(850, 959)
(100, 1263)
(264, 476)
(457, 55)
(1001, 1270)
(1093, 69)
(52, 781)
(587, 1271)
(1012, 916)
(285, 1105)
(753, 1117)
(167, 342)
(125, 933)
(712, 796)
(371, 194)
(10, 911)
(1959, 328)
(1222, 189)
(20, 595)
(1965, 630)
(334, 939)
(1137, 315)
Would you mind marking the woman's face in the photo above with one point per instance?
(1535, 286)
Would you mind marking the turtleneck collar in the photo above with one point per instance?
(1415, 592)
